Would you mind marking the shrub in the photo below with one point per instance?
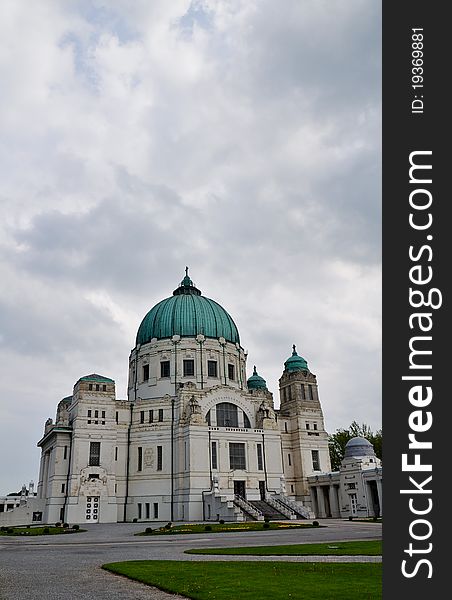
(65, 526)
(267, 519)
(221, 521)
(46, 530)
(3, 528)
(208, 528)
(135, 520)
(266, 525)
(315, 523)
(76, 527)
(57, 524)
(10, 530)
(350, 518)
(168, 525)
(375, 519)
(148, 530)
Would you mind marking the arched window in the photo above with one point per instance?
(227, 415)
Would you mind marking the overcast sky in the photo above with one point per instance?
(238, 137)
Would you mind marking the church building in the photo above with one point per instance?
(196, 438)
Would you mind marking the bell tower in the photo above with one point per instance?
(303, 436)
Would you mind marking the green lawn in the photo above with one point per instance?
(216, 527)
(263, 580)
(369, 548)
(37, 530)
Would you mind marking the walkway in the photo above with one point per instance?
(62, 568)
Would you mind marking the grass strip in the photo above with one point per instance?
(263, 580)
(355, 548)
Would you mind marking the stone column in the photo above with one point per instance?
(334, 502)
(380, 496)
(321, 502)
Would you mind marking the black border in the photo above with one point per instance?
(404, 132)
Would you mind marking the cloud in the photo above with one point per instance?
(235, 137)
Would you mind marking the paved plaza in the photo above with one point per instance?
(68, 567)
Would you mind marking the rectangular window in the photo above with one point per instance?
(289, 393)
(140, 458)
(237, 458)
(307, 426)
(89, 413)
(104, 388)
(156, 510)
(315, 460)
(159, 458)
(214, 456)
(284, 393)
(96, 414)
(148, 510)
(139, 510)
(62, 488)
(260, 462)
(117, 417)
(311, 393)
(285, 427)
(145, 372)
(160, 415)
(141, 416)
(289, 460)
(116, 453)
(151, 416)
(103, 414)
(231, 372)
(90, 386)
(212, 368)
(97, 387)
(65, 453)
(165, 368)
(315, 426)
(94, 454)
(189, 367)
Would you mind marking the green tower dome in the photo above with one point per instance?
(256, 382)
(187, 313)
(295, 362)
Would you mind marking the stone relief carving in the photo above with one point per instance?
(266, 418)
(193, 413)
(149, 457)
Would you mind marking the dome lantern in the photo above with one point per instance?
(295, 362)
(256, 382)
(188, 314)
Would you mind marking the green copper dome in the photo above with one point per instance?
(256, 382)
(187, 313)
(295, 362)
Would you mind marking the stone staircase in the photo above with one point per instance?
(267, 511)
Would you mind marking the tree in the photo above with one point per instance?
(337, 442)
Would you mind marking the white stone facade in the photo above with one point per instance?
(192, 441)
(355, 490)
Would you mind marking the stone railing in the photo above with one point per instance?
(297, 507)
(281, 507)
(248, 508)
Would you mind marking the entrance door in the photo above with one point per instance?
(262, 489)
(353, 504)
(239, 489)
